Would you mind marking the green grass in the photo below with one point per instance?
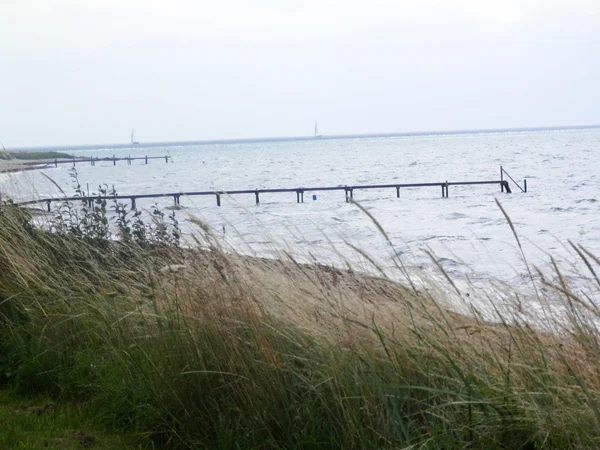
(65, 426)
(226, 352)
(29, 156)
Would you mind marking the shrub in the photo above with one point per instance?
(97, 220)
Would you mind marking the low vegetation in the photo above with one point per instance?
(201, 348)
(31, 423)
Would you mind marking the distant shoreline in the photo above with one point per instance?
(299, 138)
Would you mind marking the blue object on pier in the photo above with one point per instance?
(314, 197)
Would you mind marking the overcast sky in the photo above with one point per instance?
(88, 71)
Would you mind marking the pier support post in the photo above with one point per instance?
(218, 199)
(146, 159)
(55, 162)
(48, 203)
(132, 202)
(444, 190)
(166, 159)
(257, 199)
(398, 191)
(506, 187)
(525, 185)
(501, 179)
(114, 160)
(349, 194)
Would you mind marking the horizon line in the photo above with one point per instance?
(301, 138)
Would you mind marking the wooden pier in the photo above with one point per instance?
(94, 160)
(300, 191)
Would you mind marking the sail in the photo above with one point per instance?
(316, 130)
(133, 141)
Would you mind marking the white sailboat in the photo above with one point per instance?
(317, 135)
(133, 141)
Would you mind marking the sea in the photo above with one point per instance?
(467, 235)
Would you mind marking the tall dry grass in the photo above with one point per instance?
(200, 348)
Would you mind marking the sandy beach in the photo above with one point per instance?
(18, 165)
(11, 165)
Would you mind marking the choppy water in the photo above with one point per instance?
(561, 167)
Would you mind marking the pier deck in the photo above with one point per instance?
(94, 160)
(300, 191)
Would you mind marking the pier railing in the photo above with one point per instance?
(504, 172)
(300, 191)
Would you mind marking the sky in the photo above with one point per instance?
(89, 71)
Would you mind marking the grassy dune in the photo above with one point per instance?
(32, 156)
(191, 348)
